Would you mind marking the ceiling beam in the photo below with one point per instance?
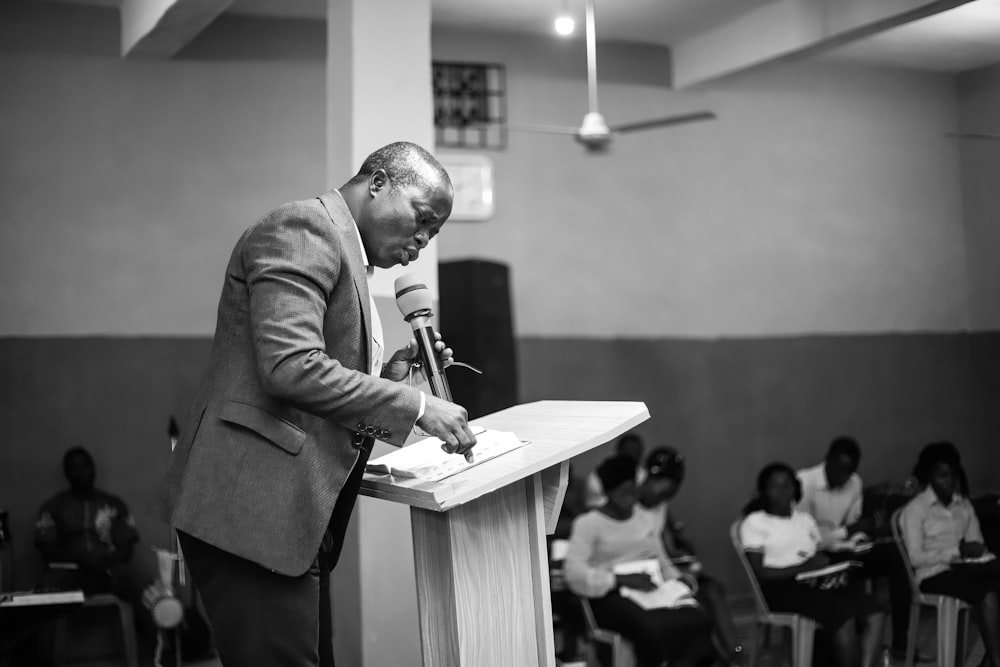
(161, 28)
(786, 29)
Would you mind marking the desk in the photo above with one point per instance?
(20, 613)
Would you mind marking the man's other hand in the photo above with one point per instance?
(449, 422)
(398, 366)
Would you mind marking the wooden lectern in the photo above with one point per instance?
(479, 536)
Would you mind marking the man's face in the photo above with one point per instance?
(839, 469)
(80, 472)
(402, 219)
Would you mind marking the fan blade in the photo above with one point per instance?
(663, 122)
(545, 129)
(973, 135)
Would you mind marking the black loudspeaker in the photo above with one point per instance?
(476, 322)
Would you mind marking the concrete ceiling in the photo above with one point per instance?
(649, 21)
(959, 39)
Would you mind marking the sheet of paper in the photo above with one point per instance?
(425, 460)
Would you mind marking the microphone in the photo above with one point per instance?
(414, 302)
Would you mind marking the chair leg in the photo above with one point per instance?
(947, 632)
(754, 647)
(803, 634)
(59, 642)
(911, 636)
(128, 633)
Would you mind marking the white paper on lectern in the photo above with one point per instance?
(425, 460)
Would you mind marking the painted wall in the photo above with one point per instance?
(979, 111)
(126, 183)
(825, 198)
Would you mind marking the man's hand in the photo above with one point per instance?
(639, 581)
(865, 525)
(449, 422)
(398, 366)
(971, 549)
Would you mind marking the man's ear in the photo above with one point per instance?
(377, 181)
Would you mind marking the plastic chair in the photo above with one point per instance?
(948, 611)
(622, 653)
(125, 618)
(803, 628)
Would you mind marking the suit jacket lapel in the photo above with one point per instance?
(343, 221)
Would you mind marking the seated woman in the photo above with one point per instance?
(620, 532)
(940, 530)
(665, 472)
(782, 542)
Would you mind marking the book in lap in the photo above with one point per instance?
(671, 594)
(831, 576)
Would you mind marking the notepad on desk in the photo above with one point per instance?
(425, 460)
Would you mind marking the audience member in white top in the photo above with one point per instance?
(629, 445)
(621, 532)
(832, 491)
(782, 542)
(941, 533)
(666, 469)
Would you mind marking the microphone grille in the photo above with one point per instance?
(412, 295)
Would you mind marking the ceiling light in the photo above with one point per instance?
(565, 24)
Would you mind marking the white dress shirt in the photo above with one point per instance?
(833, 509)
(933, 531)
(784, 541)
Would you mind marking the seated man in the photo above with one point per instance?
(832, 495)
(665, 470)
(86, 536)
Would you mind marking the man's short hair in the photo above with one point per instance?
(844, 446)
(76, 451)
(405, 164)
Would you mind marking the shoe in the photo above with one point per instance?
(918, 656)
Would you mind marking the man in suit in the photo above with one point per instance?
(263, 481)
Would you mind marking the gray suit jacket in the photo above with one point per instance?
(276, 425)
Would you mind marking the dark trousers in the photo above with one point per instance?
(884, 560)
(260, 617)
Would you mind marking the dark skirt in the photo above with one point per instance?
(968, 583)
(830, 608)
(677, 635)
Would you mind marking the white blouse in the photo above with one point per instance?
(785, 541)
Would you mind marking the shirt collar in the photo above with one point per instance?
(369, 269)
(932, 498)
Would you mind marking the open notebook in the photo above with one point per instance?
(667, 594)
(425, 460)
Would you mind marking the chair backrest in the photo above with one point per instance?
(897, 537)
(758, 594)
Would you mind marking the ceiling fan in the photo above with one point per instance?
(595, 133)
